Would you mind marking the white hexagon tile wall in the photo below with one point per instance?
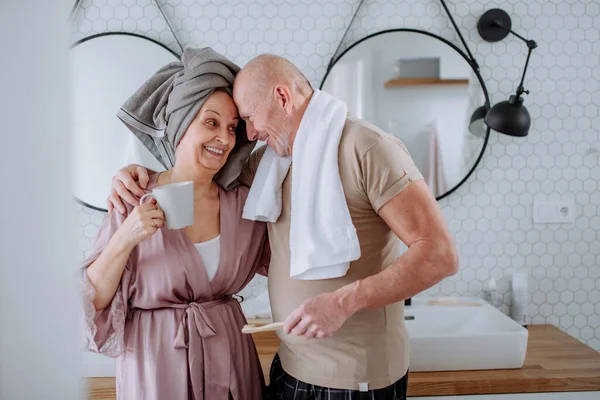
(491, 215)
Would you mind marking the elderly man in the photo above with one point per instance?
(355, 318)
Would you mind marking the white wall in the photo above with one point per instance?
(39, 358)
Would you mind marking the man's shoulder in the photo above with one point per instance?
(358, 137)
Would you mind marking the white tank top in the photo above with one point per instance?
(209, 251)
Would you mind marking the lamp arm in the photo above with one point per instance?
(531, 44)
(499, 24)
(520, 89)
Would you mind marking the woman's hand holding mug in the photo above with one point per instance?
(142, 223)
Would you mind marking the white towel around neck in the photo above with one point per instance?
(323, 239)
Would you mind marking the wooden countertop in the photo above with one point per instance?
(555, 362)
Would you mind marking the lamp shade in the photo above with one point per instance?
(477, 124)
(509, 117)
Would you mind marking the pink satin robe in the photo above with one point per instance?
(176, 334)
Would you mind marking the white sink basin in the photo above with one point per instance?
(463, 337)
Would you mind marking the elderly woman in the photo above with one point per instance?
(161, 300)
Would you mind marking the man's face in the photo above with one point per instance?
(265, 118)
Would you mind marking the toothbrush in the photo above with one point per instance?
(269, 327)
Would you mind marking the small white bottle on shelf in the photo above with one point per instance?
(490, 293)
(520, 298)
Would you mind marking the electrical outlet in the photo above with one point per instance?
(560, 212)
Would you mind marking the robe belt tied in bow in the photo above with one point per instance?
(207, 365)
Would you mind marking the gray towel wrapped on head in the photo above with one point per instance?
(162, 109)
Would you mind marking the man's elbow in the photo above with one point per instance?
(449, 259)
(452, 259)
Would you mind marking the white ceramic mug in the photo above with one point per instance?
(177, 202)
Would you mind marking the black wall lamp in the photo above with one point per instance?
(509, 117)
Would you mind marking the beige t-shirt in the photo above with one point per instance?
(372, 346)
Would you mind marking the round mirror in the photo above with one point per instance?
(106, 70)
(421, 89)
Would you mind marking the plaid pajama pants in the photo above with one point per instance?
(286, 387)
